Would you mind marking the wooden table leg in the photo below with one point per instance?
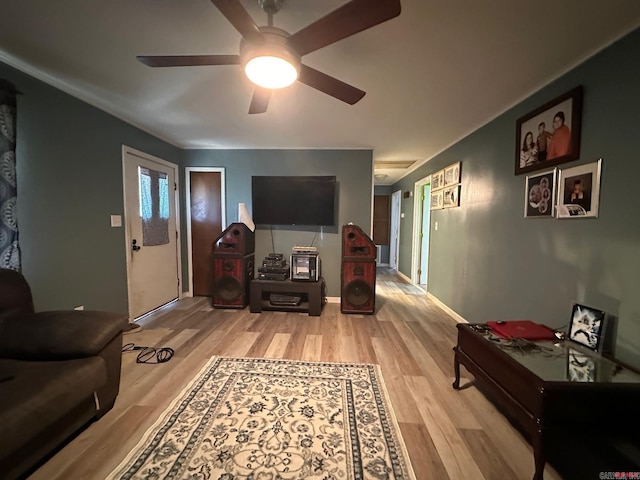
(456, 368)
(538, 455)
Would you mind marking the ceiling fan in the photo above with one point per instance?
(263, 50)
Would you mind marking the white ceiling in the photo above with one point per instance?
(437, 72)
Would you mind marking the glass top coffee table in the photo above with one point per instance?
(546, 385)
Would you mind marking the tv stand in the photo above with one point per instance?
(312, 296)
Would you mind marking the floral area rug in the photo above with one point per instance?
(264, 419)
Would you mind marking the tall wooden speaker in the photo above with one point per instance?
(232, 275)
(237, 239)
(358, 272)
(233, 266)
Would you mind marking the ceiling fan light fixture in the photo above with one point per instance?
(272, 63)
(271, 71)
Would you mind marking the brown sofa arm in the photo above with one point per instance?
(58, 335)
(15, 294)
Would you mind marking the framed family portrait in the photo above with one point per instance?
(550, 135)
(579, 191)
(539, 193)
(586, 326)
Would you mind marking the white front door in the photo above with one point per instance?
(151, 233)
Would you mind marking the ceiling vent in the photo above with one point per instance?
(381, 165)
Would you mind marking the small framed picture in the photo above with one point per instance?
(437, 180)
(539, 193)
(452, 174)
(581, 367)
(579, 191)
(451, 196)
(550, 135)
(586, 326)
(437, 201)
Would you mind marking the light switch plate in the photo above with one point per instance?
(116, 220)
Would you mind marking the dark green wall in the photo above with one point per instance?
(353, 169)
(69, 169)
(487, 262)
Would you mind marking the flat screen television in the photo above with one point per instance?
(309, 200)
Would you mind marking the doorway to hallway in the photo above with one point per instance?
(421, 226)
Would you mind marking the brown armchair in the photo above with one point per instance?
(58, 372)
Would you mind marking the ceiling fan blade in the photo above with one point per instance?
(347, 20)
(260, 100)
(239, 18)
(188, 60)
(329, 85)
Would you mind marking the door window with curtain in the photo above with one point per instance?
(154, 206)
(9, 247)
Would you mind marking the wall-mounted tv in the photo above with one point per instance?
(309, 200)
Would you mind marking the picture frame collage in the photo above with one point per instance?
(564, 193)
(550, 136)
(445, 187)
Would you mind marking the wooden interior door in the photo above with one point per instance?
(206, 225)
(381, 216)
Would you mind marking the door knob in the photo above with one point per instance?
(134, 245)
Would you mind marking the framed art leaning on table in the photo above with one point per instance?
(586, 326)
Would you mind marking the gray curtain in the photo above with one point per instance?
(9, 248)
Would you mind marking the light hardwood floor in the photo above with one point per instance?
(449, 434)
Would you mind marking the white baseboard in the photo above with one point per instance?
(333, 299)
(458, 318)
(403, 276)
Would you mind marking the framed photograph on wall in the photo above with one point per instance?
(452, 174)
(539, 193)
(437, 180)
(550, 135)
(451, 196)
(586, 326)
(579, 191)
(436, 200)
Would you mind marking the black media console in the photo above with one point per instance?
(288, 296)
